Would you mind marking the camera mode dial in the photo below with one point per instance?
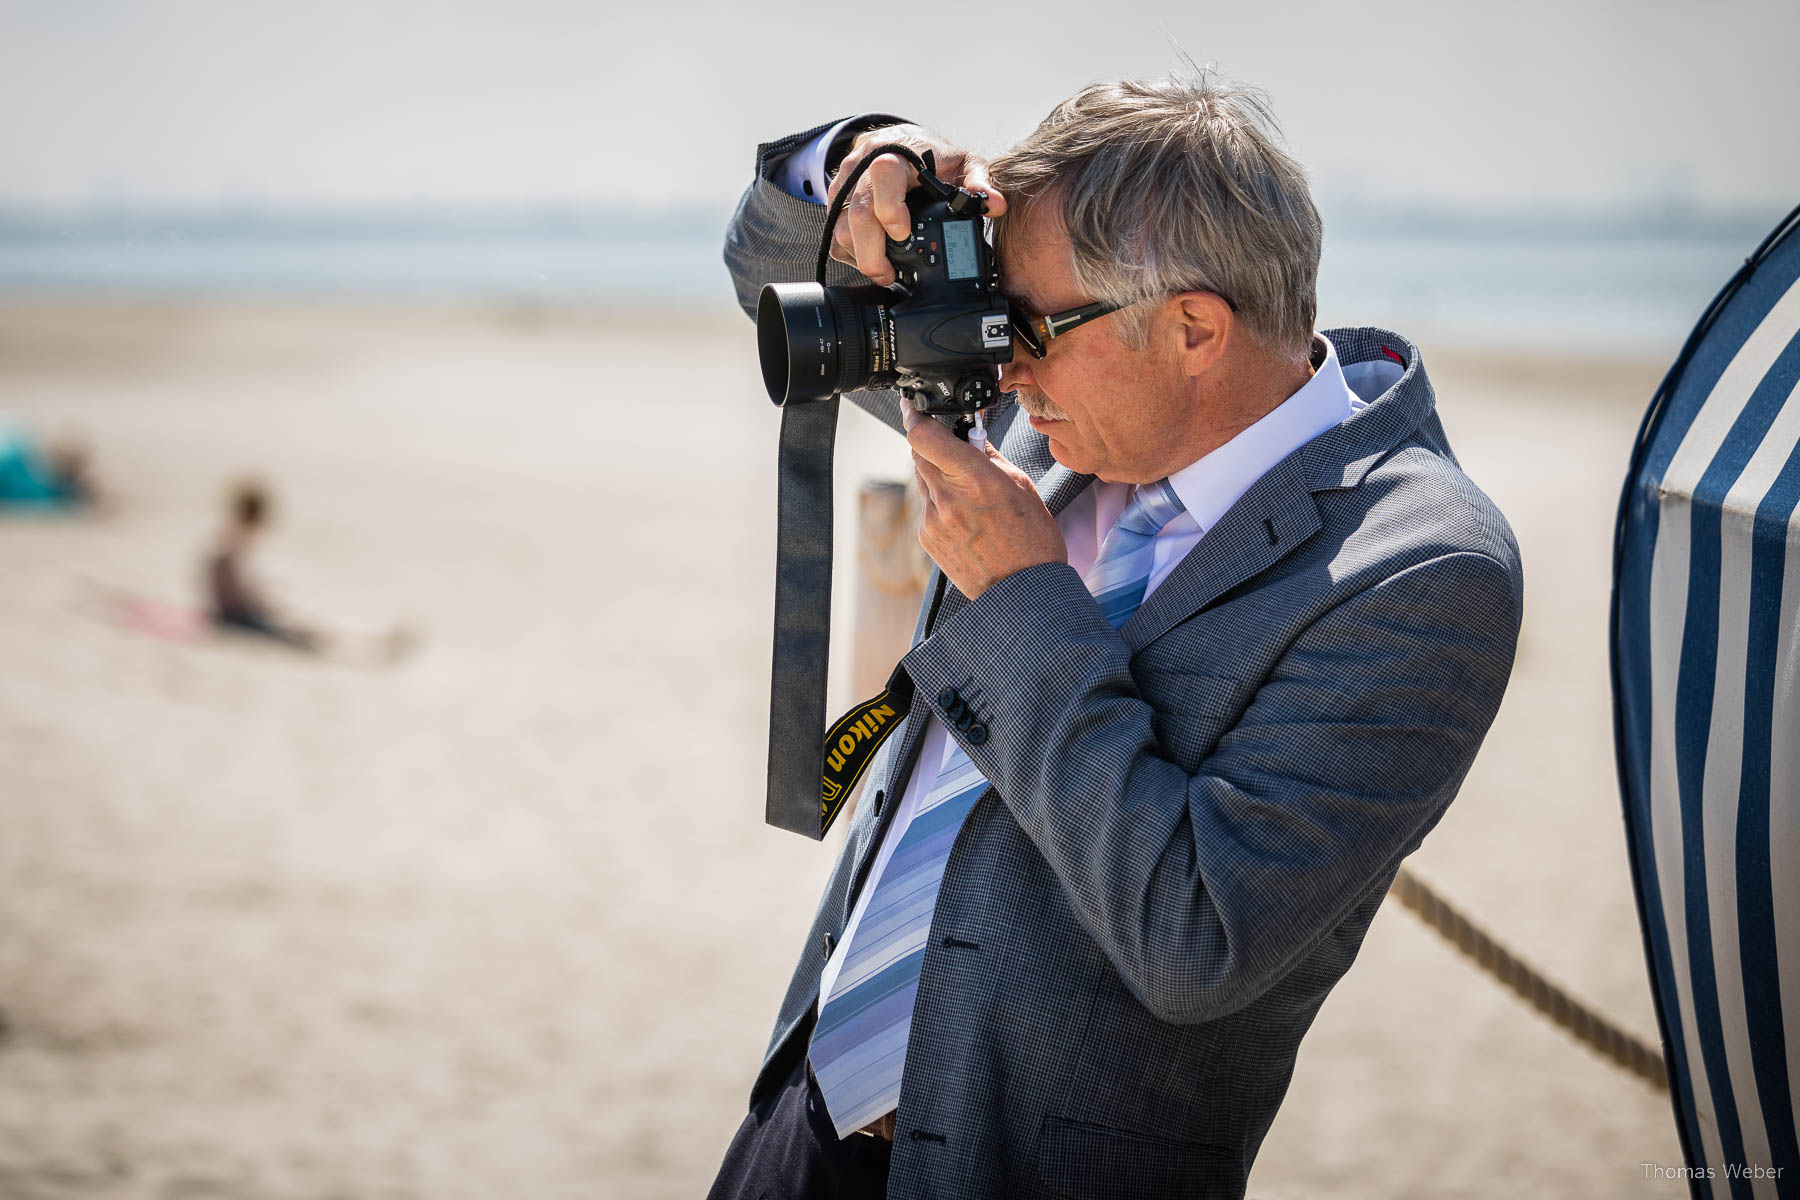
(975, 390)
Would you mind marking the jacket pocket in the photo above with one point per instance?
(1091, 1162)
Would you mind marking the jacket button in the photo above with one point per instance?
(879, 797)
(965, 719)
(828, 945)
(947, 697)
(977, 735)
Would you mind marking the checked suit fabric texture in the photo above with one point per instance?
(859, 1046)
(1193, 815)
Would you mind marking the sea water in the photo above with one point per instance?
(1628, 286)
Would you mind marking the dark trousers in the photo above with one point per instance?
(786, 1149)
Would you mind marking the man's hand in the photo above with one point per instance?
(876, 210)
(984, 520)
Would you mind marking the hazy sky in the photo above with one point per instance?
(529, 102)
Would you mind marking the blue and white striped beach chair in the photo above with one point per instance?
(1706, 684)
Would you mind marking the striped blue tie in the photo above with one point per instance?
(1121, 570)
(859, 1047)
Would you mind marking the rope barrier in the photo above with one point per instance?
(1586, 1026)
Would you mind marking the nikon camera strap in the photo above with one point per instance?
(812, 770)
(802, 617)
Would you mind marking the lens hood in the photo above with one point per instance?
(797, 340)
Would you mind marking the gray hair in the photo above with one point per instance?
(1175, 185)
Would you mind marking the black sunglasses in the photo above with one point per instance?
(1036, 332)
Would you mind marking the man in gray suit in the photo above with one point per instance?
(1225, 629)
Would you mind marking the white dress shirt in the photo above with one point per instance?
(1208, 488)
(802, 173)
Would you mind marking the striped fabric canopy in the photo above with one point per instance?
(1706, 685)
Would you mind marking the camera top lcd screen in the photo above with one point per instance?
(959, 249)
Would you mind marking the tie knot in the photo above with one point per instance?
(1153, 505)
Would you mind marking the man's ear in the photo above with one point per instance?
(1204, 325)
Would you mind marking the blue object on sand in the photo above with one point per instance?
(27, 480)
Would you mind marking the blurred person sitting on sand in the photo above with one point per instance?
(234, 603)
(53, 477)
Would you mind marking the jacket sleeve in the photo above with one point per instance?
(774, 238)
(1203, 889)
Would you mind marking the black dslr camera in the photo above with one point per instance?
(937, 334)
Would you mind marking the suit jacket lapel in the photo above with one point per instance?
(1279, 512)
(1267, 523)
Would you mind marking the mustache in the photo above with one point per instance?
(1039, 405)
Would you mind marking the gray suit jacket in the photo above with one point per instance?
(1193, 819)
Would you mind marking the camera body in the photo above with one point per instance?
(937, 335)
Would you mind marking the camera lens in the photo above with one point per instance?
(814, 341)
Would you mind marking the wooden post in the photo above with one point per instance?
(891, 574)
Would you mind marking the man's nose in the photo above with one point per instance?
(1016, 373)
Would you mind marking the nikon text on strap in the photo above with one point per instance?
(852, 742)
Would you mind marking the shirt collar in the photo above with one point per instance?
(1209, 486)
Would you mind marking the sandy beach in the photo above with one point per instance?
(504, 920)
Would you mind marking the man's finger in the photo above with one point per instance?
(975, 178)
(1009, 466)
(923, 468)
(890, 178)
(846, 167)
(843, 245)
(951, 455)
(841, 249)
(924, 484)
(868, 237)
